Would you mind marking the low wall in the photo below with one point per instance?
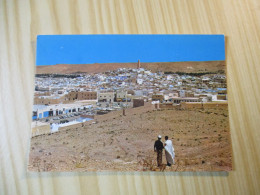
(189, 105)
(40, 130)
(87, 116)
(221, 97)
(167, 106)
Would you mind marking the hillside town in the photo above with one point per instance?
(77, 116)
(65, 99)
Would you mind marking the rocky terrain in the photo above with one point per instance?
(187, 67)
(115, 142)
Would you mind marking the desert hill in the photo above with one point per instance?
(201, 139)
(209, 66)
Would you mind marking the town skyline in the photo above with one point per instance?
(124, 86)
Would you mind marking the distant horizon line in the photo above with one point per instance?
(131, 62)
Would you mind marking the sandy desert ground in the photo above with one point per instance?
(115, 142)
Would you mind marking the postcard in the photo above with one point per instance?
(130, 103)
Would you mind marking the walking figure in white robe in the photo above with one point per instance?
(169, 151)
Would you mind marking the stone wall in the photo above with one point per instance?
(138, 102)
(167, 106)
(187, 105)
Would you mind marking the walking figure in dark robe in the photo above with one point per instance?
(158, 147)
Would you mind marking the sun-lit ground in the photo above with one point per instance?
(201, 140)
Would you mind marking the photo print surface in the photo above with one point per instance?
(130, 103)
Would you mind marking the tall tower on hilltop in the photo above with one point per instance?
(138, 64)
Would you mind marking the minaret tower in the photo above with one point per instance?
(138, 64)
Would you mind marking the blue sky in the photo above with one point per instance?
(88, 49)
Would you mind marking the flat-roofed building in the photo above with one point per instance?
(43, 100)
(178, 100)
(158, 97)
(106, 96)
(222, 97)
(121, 95)
(71, 96)
(138, 102)
(87, 95)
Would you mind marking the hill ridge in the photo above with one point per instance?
(189, 67)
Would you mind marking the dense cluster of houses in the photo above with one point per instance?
(125, 87)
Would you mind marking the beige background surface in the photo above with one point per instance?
(22, 20)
